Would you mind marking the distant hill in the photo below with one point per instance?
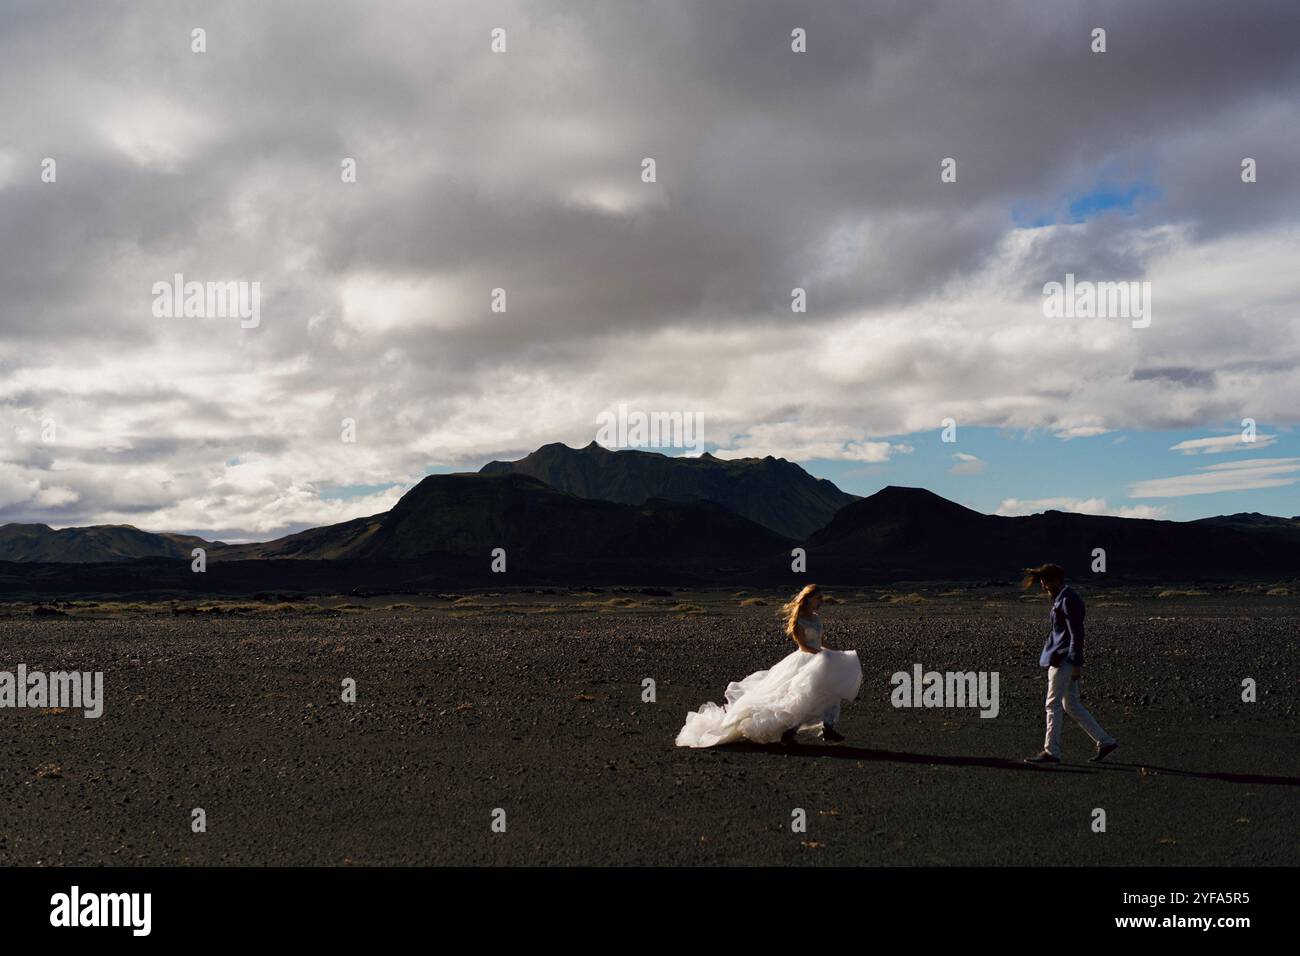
(1255, 523)
(446, 527)
(773, 492)
(542, 530)
(911, 532)
(329, 542)
(105, 542)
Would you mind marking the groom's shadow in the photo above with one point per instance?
(1146, 769)
(997, 763)
(895, 756)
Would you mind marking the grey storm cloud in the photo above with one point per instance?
(522, 171)
(1189, 377)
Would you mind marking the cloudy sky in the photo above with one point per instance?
(522, 170)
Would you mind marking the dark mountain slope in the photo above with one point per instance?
(542, 528)
(447, 526)
(773, 492)
(911, 532)
(330, 542)
(1287, 529)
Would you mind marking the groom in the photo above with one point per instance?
(1063, 657)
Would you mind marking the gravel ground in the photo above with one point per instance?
(536, 709)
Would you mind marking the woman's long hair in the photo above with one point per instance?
(794, 609)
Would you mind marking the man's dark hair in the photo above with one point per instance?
(1052, 574)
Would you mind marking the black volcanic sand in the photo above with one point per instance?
(537, 709)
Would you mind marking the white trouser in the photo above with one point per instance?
(1062, 689)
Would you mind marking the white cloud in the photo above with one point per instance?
(523, 172)
(1081, 431)
(377, 304)
(967, 464)
(872, 452)
(1227, 476)
(153, 132)
(1218, 444)
(260, 515)
(799, 440)
(1083, 506)
(25, 486)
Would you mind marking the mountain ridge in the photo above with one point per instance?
(449, 518)
(908, 531)
(452, 524)
(33, 541)
(773, 492)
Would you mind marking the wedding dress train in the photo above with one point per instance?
(802, 689)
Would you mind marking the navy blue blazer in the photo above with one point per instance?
(1065, 639)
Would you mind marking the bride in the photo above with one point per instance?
(804, 688)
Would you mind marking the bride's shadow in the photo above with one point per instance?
(840, 752)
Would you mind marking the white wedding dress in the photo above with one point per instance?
(802, 689)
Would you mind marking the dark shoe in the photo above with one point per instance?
(1042, 757)
(831, 734)
(1103, 750)
(787, 738)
